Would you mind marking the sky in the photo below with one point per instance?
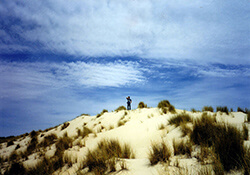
(62, 58)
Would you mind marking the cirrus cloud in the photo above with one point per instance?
(211, 31)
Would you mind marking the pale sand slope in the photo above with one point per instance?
(139, 128)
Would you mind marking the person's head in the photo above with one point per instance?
(128, 97)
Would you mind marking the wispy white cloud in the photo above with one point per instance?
(208, 31)
(29, 80)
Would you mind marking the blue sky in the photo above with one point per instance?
(61, 58)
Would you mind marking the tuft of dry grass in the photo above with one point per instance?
(184, 148)
(222, 109)
(142, 105)
(208, 108)
(186, 130)
(121, 123)
(165, 106)
(65, 125)
(226, 141)
(85, 132)
(245, 132)
(103, 158)
(179, 119)
(48, 140)
(10, 143)
(161, 126)
(159, 153)
(120, 108)
(103, 111)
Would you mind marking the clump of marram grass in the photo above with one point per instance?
(245, 132)
(226, 141)
(246, 160)
(248, 116)
(33, 133)
(184, 148)
(13, 156)
(142, 105)
(120, 108)
(86, 131)
(165, 106)
(208, 108)
(103, 111)
(186, 130)
(104, 157)
(120, 123)
(159, 153)
(16, 169)
(222, 109)
(48, 140)
(240, 110)
(10, 143)
(193, 110)
(113, 148)
(179, 119)
(31, 147)
(65, 125)
(63, 143)
(161, 126)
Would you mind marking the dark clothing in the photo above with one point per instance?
(129, 104)
(129, 101)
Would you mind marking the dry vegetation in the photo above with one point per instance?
(165, 106)
(105, 156)
(210, 142)
(159, 153)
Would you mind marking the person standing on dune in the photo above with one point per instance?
(129, 101)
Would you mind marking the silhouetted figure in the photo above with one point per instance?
(129, 101)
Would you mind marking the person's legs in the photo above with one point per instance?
(128, 107)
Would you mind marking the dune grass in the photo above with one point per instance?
(183, 148)
(165, 106)
(100, 114)
(222, 109)
(48, 140)
(226, 141)
(208, 109)
(142, 105)
(84, 132)
(105, 156)
(159, 153)
(120, 108)
(179, 119)
(65, 125)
